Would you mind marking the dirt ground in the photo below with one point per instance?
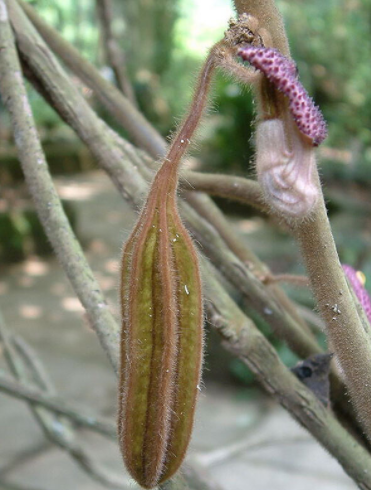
(242, 439)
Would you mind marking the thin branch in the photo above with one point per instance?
(33, 365)
(226, 453)
(56, 405)
(286, 278)
(57, 429)
(114, 54)
(237, 189)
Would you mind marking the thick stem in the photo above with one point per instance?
(266, 12)
(349, 337)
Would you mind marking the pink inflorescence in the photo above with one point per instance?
(360, 291)
(282, 72)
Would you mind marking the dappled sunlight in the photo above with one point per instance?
(58, 289)
(98, 247)
(108, 283)
(35, 267)
(114, 217)
(112, 266)
(72, 304)
(250, 225)
(25, 281)
(30, 312)
(82, 190)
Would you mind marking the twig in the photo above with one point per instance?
(33, 364)
(234, 188)
(57, 405)
(287, 278)
(114, 55)
(226, 453)
(56, 429)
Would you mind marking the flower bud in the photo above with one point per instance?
(359, 289)
(282, 72)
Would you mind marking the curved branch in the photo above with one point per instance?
(235, 188)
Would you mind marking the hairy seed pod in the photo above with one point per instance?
(161, 346)
(162, 320)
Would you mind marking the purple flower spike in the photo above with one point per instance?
(283, 74)
(360, 291)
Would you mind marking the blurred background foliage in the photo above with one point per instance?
(164, 43)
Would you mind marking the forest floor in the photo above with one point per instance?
(241, 437)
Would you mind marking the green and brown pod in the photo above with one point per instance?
(161, 342)
(162, 319)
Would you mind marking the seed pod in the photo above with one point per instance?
(161, 343)
(161, 303)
